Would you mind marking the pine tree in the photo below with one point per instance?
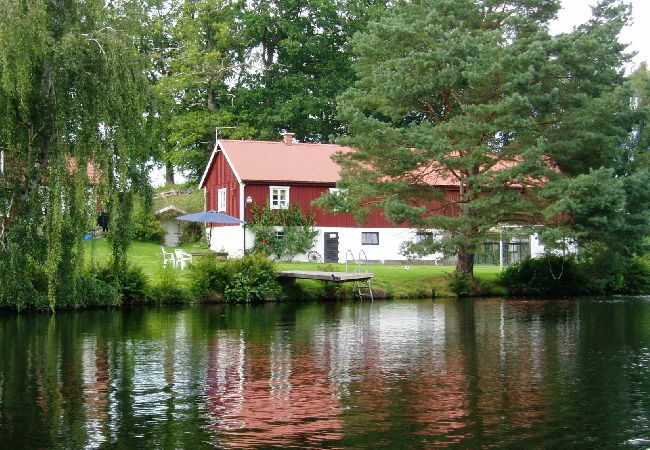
(479, 94)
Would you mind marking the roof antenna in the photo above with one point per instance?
(216, 132)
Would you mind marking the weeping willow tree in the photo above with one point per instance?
(73, 124)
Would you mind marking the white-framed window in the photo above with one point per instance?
(370, 238)
(279, 197)
(221, 199)
(279, 235)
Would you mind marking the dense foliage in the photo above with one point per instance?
(555, 275)
(283, 233)
(253, 68)
(146, 226)
(168, 288)
(250, 279)
(73, 103)
(527, 127)
(477, 97)
(132, 283)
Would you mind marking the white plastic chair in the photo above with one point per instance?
(168, 257)
(182, 258)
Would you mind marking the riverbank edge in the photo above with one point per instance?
(301, 291)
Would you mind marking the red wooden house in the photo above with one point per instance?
(240, 174)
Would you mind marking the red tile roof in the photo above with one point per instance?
(310, 163)
(276, 161)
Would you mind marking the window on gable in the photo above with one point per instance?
(370, 238)
(279, 197)
(221, 199)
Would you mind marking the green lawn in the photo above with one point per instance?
(411, 282)
(146, 255)
(394, 279)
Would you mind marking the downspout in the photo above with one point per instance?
(242, 210)
(205, 208)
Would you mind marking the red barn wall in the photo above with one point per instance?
(305, 194)
(221, 176)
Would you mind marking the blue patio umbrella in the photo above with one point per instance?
(214, 217)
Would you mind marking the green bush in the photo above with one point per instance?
(633, 278)
(168, 288)
(208, 278)
(93, 292)
(146, 227)
(251, 278)
(192, 232)
(283, 233)
(549, 275)
(599, 274)
(463, 285)
(132, 283)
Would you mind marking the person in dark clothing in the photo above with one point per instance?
(102, 221)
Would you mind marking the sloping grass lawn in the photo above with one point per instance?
(399, 282)
(190, 202)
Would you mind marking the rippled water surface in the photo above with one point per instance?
(421, 374)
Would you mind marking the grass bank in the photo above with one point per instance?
(395, 281)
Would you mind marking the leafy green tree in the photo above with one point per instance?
(195, 88)
(151, 26)
(478, 97)
(283, 233)
(73, 95)
(301, 50)
(250, 68)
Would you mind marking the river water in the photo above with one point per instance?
(403, 374)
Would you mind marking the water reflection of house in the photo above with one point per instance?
(396, 360)
(254, 397)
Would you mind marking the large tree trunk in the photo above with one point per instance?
(169, 173)
(465, 263)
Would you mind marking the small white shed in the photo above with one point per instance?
(168, 222)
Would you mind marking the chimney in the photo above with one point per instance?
(288, 138)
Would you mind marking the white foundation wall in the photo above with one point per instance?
(390, 241)
(231, 240)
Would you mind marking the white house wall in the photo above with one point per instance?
(390, 240)
(231, 240)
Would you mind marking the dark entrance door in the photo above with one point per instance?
(331, 247)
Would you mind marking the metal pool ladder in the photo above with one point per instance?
(360, 265)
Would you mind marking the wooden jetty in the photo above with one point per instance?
(339, 277)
